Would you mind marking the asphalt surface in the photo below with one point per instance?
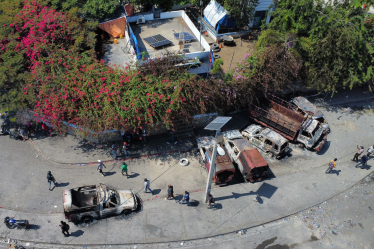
(298, 183)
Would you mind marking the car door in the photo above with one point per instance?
(109, 209)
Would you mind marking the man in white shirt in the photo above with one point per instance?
(370, 151)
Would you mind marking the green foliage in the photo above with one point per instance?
(242, 10)
(331, 38)
(217, 66)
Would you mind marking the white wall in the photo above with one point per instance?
(196, 32)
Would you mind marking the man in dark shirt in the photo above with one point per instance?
(170, 192)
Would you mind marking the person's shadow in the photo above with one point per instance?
(335, 172)
(77, 233)
(133, 175)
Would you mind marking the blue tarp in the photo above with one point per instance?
(226, 22)
(218, 17)
(133, 38)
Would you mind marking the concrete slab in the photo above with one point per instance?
(157, 230)
(165, 28)
(200, 216)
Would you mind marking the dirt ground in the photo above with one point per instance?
(235, 53)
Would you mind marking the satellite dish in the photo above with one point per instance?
(220, 151)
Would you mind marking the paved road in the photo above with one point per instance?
(299, 183)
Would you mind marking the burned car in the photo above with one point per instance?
(225, 170)
(83, 204)
(250, 162)
(266, 140)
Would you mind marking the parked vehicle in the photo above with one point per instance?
(225, 170)
(250, 162)
(12, 134)
(291, 121)
(12, 223)
(266, 140)
(83, 204)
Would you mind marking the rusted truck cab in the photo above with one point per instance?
(315, 128)
(225, 170)
(291, 121)
(266, 140)
(93, 202)
(250, 162)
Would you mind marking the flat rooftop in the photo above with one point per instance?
(164, 27)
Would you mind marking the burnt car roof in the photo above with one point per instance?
(234, 134)
(242, 144)
(275, 136)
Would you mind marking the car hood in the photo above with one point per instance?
(127, 198)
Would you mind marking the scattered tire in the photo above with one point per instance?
(216, 56)
(216, 50)
(183, 162)
(215, 45)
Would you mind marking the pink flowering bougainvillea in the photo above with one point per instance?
(82, 91)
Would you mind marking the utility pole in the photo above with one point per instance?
(201, 20)
(216, 125)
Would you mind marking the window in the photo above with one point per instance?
(268, 142)
(306, 134)
(231, 144)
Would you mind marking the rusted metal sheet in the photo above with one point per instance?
(242, 144)
(255, 158)
(225, 169)
(286, 129)
(254, 164)
(320, 145)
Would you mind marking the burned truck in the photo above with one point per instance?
(266, 140)
(225, 170)
(83, 204)
(250, 162)
(308, 128)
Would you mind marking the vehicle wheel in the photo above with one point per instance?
(301, 146)
(87, 219)
(270, 154)
(126, 212)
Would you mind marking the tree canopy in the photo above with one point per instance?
(331, 38)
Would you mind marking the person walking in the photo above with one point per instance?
(370, 151)
(126, 149)
(124, 169)
(50, 179)
(114, 150)
(210, 200)
(100, 167)
(147, 185)
(359, 152)
(170, 192)
(332, 164)
(65, 228)
(186, 198)
(363, 161)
